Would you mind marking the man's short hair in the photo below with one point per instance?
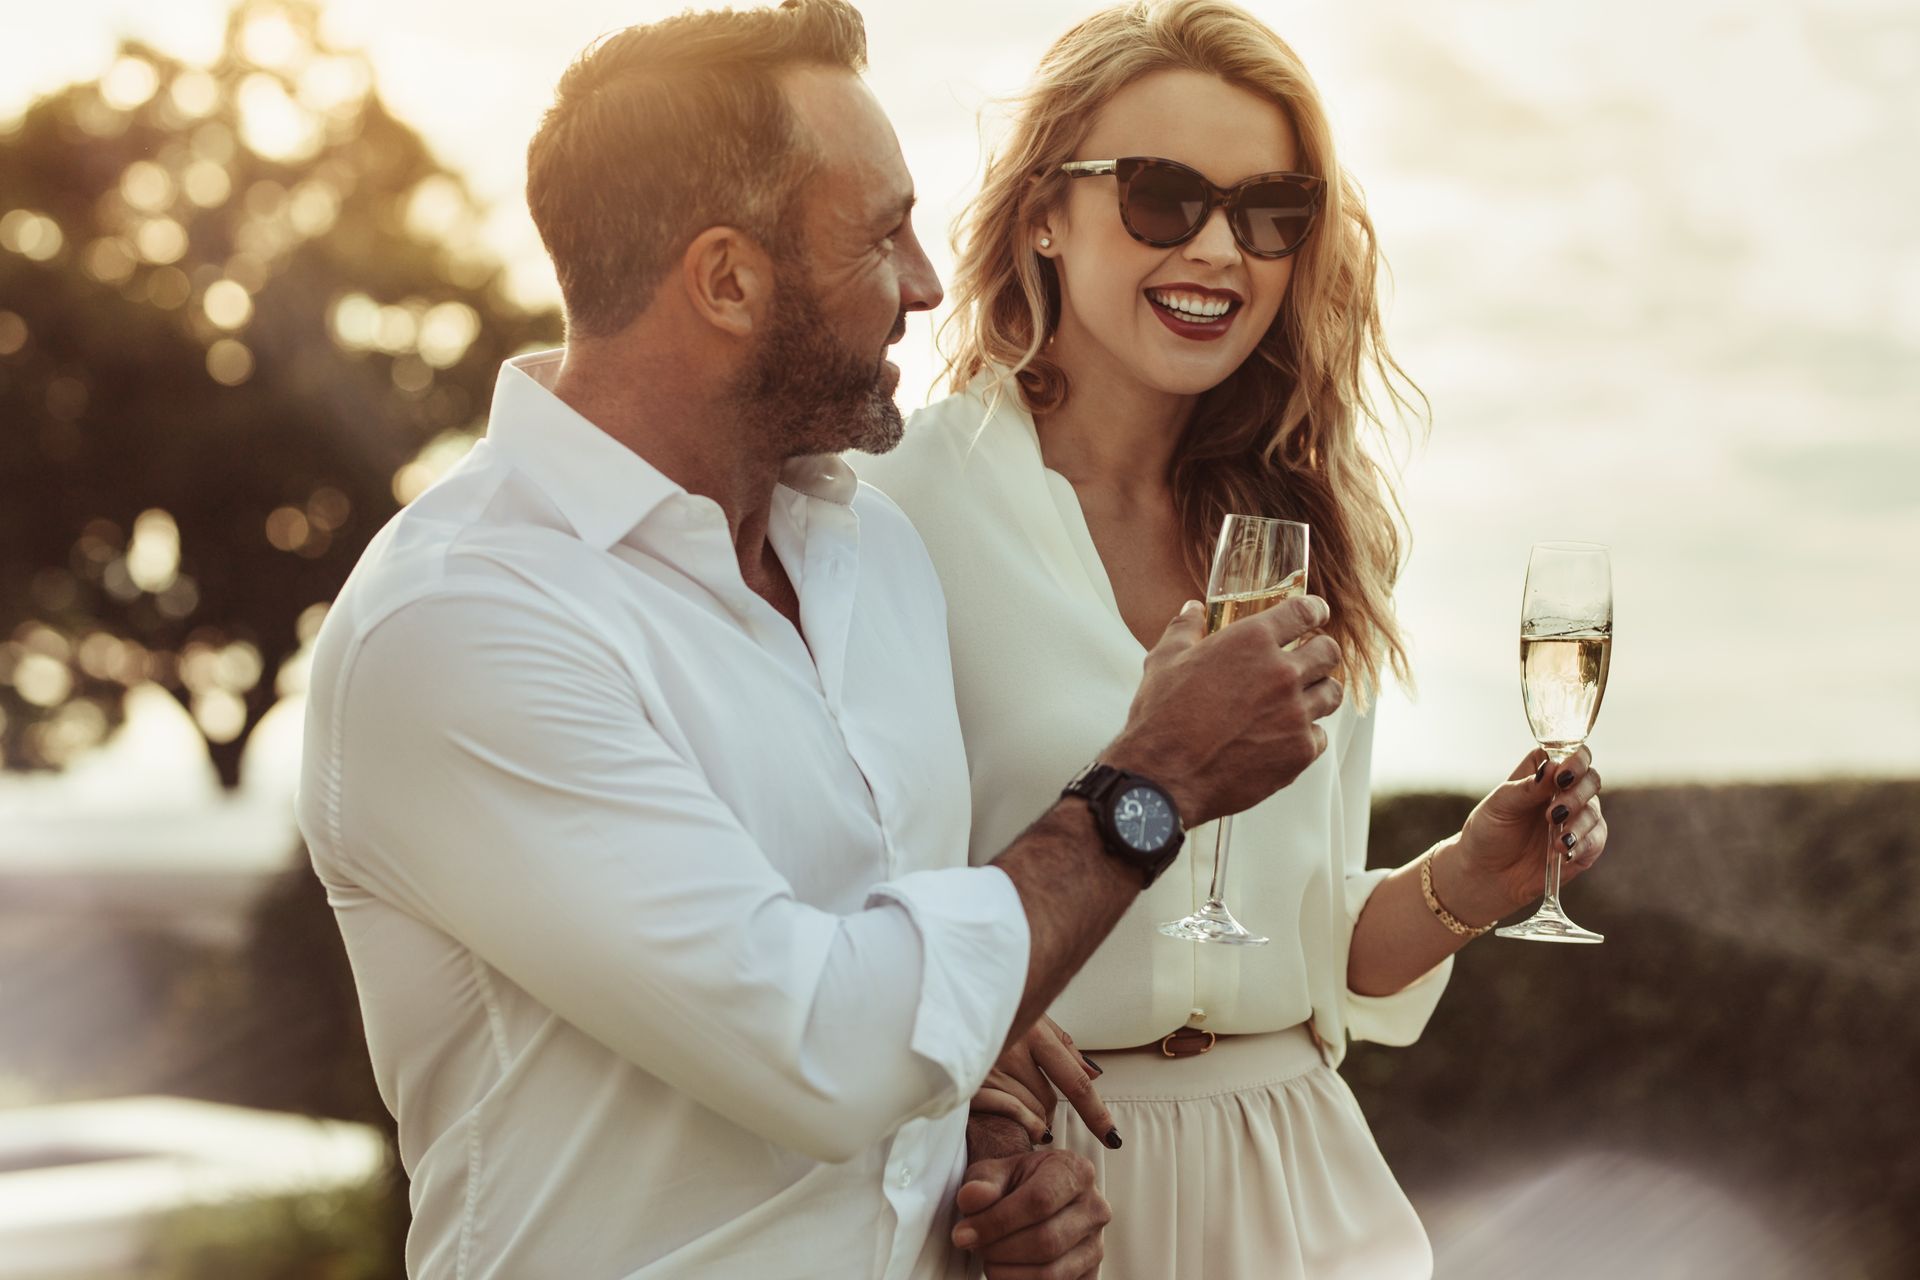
(658, 132)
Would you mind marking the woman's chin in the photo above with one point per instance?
(1194, 375)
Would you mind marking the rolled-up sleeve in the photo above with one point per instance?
(973, 976)
(504, 784)
(1396, 1019)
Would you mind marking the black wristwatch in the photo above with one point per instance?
(1138, 821)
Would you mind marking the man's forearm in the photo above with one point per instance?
(990, 1137)
(1074, 893)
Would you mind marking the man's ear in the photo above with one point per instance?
(728, 279)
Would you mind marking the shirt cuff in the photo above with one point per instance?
(973, 970)
(1396, 1019)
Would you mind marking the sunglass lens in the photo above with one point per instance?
(1164, 204)
(1273, 217)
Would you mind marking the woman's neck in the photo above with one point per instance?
(1112, 434)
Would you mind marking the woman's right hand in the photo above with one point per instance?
(1033, 1073)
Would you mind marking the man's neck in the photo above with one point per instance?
(700, 442)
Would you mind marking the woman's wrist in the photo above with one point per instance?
(1475, 900)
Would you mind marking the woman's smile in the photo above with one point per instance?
(1193, 312)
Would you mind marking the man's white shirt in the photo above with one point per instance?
(670, 959)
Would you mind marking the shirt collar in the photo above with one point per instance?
(821, 475)
(600, 486)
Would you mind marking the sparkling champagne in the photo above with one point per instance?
(1230, 608)
(1562, 678)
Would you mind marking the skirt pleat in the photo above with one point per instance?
(1252, 1160)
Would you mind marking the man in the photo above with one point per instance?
(632, 766)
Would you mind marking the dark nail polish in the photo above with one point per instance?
(1541, 772)
(1565, 779)
(1046, 1139)
(1112, 1139)
(1560, 814)
(1568, 840)
(1093, 1066)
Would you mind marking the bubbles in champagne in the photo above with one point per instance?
(1562, 679)
(1223, 610)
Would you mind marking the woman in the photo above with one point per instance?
(1143, 347)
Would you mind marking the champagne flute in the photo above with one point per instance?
(1566, 642)
(1258, 563)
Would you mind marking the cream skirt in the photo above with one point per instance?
(1251, 1160)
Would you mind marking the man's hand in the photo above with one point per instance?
(1224, 721)
(1033, 1217)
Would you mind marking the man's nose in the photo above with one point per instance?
(920, 288)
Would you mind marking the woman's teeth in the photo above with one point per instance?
(1192, 307)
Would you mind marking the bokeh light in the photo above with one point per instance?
(129, 83)
(31, 235)
(227, 304)
(274, 125)
(42, 680)
(206, 184)
(168, 288)
(153, 557)
(147, 186)
(194, 93)
(161, 241)
(229, 362)
(110, 260)
(270, 40)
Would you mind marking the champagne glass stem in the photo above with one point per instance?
(1556, 855)
(1222, 838)
(1556, 858)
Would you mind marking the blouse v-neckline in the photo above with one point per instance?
(1072, 517)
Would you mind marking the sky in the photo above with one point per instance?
(1654, 263)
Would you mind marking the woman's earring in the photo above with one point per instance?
(1046, 242)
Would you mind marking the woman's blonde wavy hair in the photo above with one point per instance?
(1282, 435)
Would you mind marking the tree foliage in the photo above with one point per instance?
(243, 309)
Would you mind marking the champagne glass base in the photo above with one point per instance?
(1549, 926)
(1213, 923)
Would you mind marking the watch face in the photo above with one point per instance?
(1143, 818)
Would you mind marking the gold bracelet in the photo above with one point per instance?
(1440, 913)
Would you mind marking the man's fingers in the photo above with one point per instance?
(1056, 1179)
(1288, 623)
(1068, 1244)
(1068, 1074)
(986, 1182)
(1082, 1262)
(998, 1102)
(1316, 659)
(1323, 698)
(1186, 627)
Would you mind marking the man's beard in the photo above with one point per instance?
(811, 393)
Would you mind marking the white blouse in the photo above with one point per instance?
(1045, 669)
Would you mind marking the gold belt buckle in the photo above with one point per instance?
(1175, 1044)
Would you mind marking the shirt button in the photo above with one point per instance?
(905, 1179)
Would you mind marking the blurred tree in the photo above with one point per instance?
(244, 314)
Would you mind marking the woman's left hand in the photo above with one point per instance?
(1539, 807)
